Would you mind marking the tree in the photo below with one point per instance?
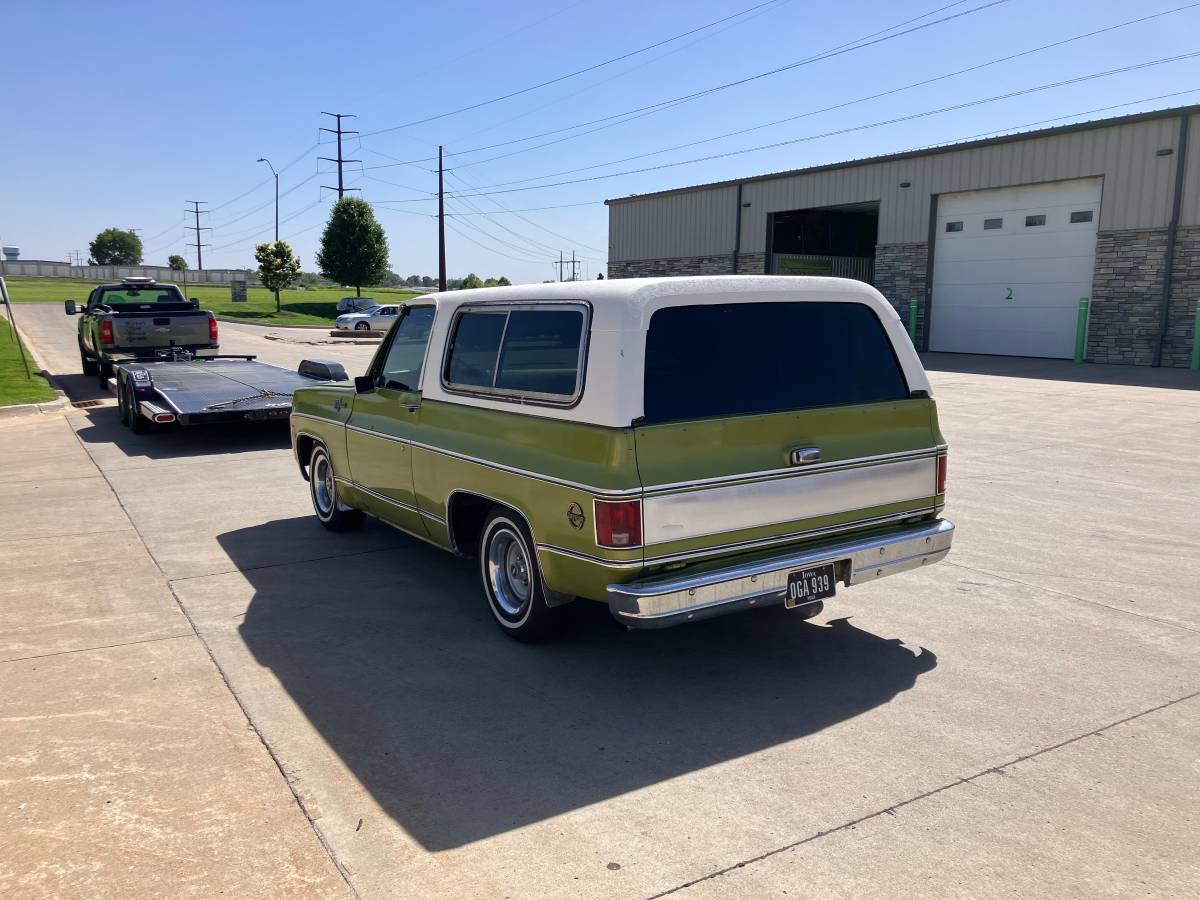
(354, 249)
(600, 277)
(427, 281)
(471, 281)
(491, 282)
(177, 262)
(503, 281)
(413, 280)
(277, 267)
(114, 247)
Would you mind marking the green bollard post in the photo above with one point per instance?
(1081, 329)
(912, 321)
(1196, 339)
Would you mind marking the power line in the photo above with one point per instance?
(649, 109)
(496, 202)
(339, 131)
(577, 72)
(824, 109)
(467, 237)
(848, 130)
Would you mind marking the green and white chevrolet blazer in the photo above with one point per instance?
(676, 448)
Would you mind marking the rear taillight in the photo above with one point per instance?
(212, 330)
(106, 333)
(619, 523)
(941, 474)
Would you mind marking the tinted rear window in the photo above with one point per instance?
(157, 294)
(744, 358)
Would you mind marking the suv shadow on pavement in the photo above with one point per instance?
(461, 733)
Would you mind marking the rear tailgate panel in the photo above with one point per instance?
(163, 329)
(720, 485)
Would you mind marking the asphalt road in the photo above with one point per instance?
(1020, 720)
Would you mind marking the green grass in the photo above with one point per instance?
(14, 386)
(298, 306)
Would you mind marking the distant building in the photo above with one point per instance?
(11, 254)
(997, 240)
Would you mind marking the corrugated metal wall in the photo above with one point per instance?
(1137, 190)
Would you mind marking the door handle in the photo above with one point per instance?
(806, 455)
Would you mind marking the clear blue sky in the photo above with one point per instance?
(117, 113)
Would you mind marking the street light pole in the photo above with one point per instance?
(276, 174)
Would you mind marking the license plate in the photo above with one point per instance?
(810, 585)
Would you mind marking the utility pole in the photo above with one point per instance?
(196, 210)
(574, 264)
(441, 224)
(341, 188)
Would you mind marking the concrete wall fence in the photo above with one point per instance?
(694, 230)
(50, 269)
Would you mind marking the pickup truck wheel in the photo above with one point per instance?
(512, 581)
(88, 364)
(324, 490)
(105, 371)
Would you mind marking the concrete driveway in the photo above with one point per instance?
(1020, 720)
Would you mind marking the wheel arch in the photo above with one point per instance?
(466, 513)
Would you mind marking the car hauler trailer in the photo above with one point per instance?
(178, 388)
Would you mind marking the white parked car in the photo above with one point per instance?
(378, 319)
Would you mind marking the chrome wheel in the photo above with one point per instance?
(508, 571)
(324, 490)
(363, 326)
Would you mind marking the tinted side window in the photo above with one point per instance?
(744, 358)
(474, 349)
(541, 352)
(401, 368)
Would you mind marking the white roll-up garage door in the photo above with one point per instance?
(1010, 265)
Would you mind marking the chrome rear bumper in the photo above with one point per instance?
(659, 603)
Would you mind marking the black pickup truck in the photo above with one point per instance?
(135, 318)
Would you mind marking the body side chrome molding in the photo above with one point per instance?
(794, 471)
(587, 557)
(389, 500)
(654, 489)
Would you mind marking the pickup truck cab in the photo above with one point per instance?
(136, 318)
(675, 448)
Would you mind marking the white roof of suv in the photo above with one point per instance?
(621, 311)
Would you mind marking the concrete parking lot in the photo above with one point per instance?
(206, 691)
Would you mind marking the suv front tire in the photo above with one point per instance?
(512, 580)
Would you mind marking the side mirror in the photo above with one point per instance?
(364, 384)
(69, 307)
(195, 303)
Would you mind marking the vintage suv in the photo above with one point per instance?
(674, 447)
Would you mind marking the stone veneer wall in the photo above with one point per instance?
(1127, 288)
(900, 276)
(721, 264)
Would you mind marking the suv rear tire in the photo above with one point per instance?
(512, 580)
(323, 488)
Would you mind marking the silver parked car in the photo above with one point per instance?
(378, 319)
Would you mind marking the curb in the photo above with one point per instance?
(266, 324)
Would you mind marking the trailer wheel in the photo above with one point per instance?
(121, 404)
(323, 488)
(129, 411)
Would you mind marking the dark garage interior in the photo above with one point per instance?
(831, 240)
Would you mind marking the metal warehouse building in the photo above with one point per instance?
(997, 240)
